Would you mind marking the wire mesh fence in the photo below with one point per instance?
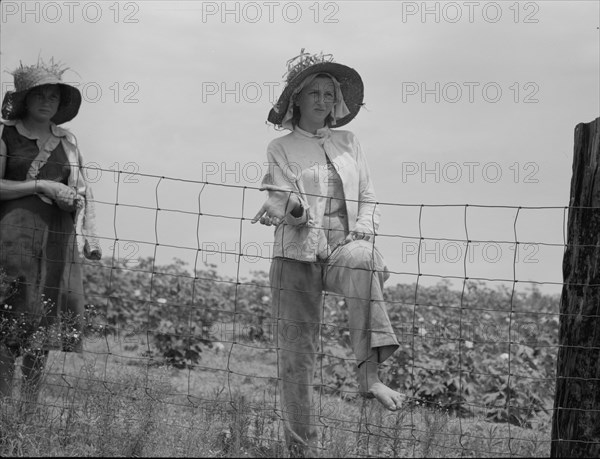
(179, 342)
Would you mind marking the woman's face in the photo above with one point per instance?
(42, 102)
(316, 100)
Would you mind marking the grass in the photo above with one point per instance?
(111, 400)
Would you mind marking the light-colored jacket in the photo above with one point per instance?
(85, 216)
(297, 162)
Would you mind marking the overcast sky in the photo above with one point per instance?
(466, 103)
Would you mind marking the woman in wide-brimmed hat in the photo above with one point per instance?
(44, 202)
(323, 206)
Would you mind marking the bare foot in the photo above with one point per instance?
(389, 398)
(371, 385)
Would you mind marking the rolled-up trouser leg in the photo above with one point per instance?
(297, 309)
(357, 271)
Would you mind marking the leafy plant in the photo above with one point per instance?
(179, 345)
(457, 347)
(175, 308)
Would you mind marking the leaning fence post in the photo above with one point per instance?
(576, 417)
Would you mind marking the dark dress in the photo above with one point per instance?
(39, 257)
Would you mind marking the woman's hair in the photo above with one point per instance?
(296, 110)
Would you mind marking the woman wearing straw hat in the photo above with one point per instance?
(323, 206)
(44, 202)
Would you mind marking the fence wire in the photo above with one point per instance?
(180, 359)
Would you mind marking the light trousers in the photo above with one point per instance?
(356, 271)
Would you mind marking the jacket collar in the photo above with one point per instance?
(322, 133)
(57, 131)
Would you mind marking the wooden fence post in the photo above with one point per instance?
(576, 417)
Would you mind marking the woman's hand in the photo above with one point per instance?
(356, 235)
(66, 198)
(280, 202)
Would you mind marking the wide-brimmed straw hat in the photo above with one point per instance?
(43, 73)
(306, 64)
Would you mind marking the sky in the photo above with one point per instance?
(470, 111)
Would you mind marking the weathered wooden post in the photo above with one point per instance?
(576, 419)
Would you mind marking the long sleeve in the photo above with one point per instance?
(86, 216)
(91, 246)
(276, 176)
(368, 217)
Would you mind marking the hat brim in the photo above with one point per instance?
(351, 86)
(13, 103)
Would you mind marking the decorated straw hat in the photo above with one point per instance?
(305, 65)
(43, 73)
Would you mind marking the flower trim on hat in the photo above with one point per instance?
(26, 76)
(302, 61)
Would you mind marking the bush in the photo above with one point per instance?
(458, 348)
(176, 309)
(179, 345)
(470, 351)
